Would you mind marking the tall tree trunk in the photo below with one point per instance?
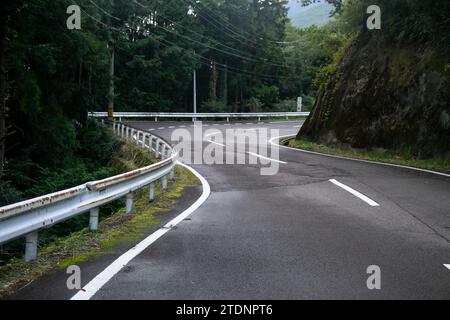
(111, 85)
(225, 86)
(213, 83)
(80, 74)
(3, 90)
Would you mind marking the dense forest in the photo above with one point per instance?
(247, 55)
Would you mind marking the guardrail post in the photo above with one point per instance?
(164, 183)
(31, 245)
(143, 139)
(156, 148)
(166, 152)
(123, 131)
(172, 174)
(156, 119)
(93, 219)
(129, 206)
(151, 192)
(146, 137)
(160, 150)
(228, 119)
(136, 141)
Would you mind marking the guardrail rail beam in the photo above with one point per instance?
(27, 218)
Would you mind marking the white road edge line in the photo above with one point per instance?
(106, 275)
(262, 157)
(357, 160)
(447, 266)
(364, 198)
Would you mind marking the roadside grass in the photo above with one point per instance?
(403, 157)
(83, 245)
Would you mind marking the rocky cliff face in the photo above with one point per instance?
(385, 95)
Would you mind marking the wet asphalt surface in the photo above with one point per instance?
(292, 235)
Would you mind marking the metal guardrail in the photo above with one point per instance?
(228, 116)
(26, 218)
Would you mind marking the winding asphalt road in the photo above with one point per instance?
(298, 235)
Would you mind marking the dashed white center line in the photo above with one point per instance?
(172, 127)
(266, 158)
(216, 143)
(162, 128)
(447, 266)
(212, 134)
(182, 126)
(151, 129)
(355, 193)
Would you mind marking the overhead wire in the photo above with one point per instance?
(245, 35)
(240, 54)
(210, 62)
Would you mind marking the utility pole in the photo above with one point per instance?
(194, 119)
(299, 104)
(111, 86)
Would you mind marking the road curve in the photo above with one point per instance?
(296, 235)
(309, 232)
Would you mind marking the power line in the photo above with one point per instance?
(221, 50)
(220, 27)
(229, 26)
(192, 31)
(104, 11)
(241, 54)
(227, 68)
(265, 61)
(210, 61)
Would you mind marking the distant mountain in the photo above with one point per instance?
(302, 17)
